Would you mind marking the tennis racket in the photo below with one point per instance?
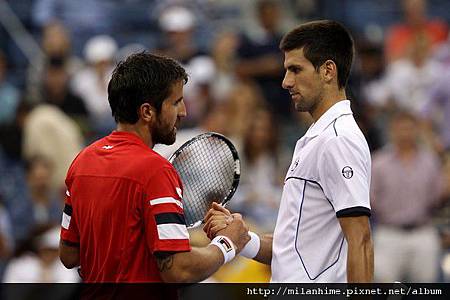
(209, 167)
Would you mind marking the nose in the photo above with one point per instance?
(288, 81)
(182, 110)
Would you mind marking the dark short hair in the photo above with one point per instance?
(323, 40)
(142, 78)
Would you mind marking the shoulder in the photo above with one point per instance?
(345, 132)
(153, 164)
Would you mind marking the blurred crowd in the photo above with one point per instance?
(56, 58)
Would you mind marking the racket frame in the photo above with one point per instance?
(237, 165)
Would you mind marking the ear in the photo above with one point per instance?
(147, 113)
(328, 71)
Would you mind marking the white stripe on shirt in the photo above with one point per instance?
(166, 200)
(172, 232)
(65, 221)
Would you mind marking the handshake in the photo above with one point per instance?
(219, 221)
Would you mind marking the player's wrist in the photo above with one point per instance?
(251, 249)
(226, 246)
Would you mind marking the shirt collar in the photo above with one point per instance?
(124, 135)
(338, 109)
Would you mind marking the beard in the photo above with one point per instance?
(308, 105)
(163, 133)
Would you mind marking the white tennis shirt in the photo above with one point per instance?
(329, 177)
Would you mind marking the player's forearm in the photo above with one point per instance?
(360, 261)
(193, 266)
(265, 251)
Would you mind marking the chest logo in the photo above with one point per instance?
(347, 172)
(107, 147)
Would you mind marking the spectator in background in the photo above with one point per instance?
(178, 26)
(407, 81)
(224, 51)
(57, 50)
(50, 133)
(259, 58)
(416, 26)
(9, 95)
(436, 112)
(6, 238)
(442, 220)
(240, 104)
(407, 184)
(38, 260)
(258, 195)
(83, 18)
(91, 82)
(13, 184)
(56, 91)
(46, 204)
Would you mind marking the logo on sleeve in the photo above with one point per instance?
(179, 192)
(347, 172)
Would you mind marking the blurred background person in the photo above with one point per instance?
(436, 112)
(50, 133)
(46, 203)
(407, 81)
(37, 260)
(259, 192)
(260, 59)
(9, 95)
(90, 83)
(416, 25)
(6, 238)
(442, 222)
(56, 45)
(407, 183)
(178, 26)
(56, 91)
(242, 101)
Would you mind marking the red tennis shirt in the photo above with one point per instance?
(123, 204)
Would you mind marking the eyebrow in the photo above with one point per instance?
(291, 66)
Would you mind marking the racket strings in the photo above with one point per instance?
(206, 168)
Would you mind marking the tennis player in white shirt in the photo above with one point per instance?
(322, 232)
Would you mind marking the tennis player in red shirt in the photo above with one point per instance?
(123, 217)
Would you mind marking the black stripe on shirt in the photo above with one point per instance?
(68, 210)
(356, 211)
(170, 218)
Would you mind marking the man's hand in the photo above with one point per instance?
(219, 221)
(217, 218)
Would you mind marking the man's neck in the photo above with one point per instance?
(141, 131)
(328, 100)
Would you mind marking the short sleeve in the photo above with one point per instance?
(69, 227)
(165, 226)
(344, 169)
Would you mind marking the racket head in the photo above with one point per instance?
(195, 209)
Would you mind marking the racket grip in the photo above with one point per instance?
(251, 249)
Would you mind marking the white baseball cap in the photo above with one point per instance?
(177, 18)
(100, 48)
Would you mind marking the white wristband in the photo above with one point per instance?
(251, 249)
(226, 246)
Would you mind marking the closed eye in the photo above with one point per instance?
(178, 101)
(294, 69)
